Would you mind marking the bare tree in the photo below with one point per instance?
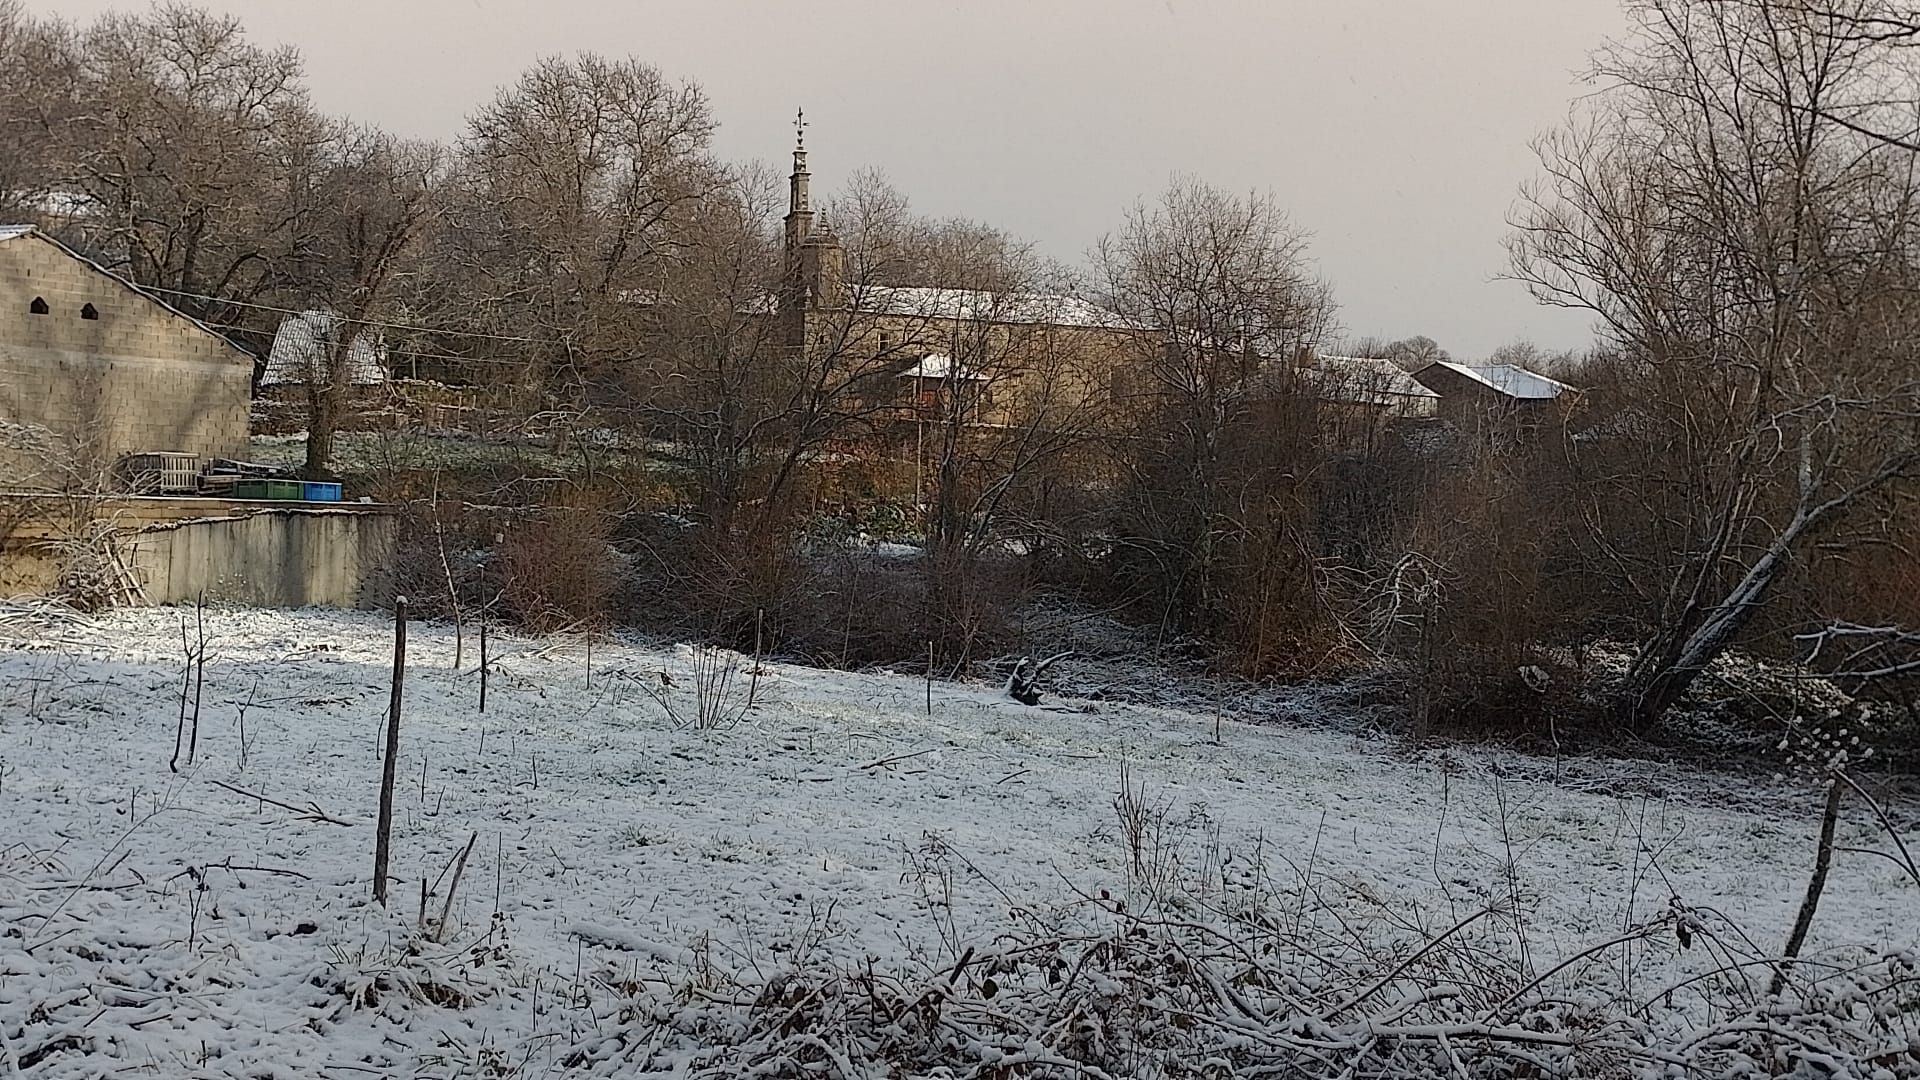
(1416, 352)
(38, 97)
(564, 211)
(182, 156)
(1751, 258)
(376, 197)
(1222, 282)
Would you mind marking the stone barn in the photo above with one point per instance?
(98, 370)
(93, 369)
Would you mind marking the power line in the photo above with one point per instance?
(352, 322)
(409, 353)
(450, 358)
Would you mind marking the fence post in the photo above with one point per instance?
(383, 839)
(483, 659)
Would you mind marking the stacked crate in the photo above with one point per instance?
(162, 473)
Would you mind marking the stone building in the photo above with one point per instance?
(93, 369)
(935, 352)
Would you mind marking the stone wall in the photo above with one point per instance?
(136, 377)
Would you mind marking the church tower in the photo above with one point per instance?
(815, 278)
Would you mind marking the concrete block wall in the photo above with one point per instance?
(136, 378)
(230, 552)
(276, 559)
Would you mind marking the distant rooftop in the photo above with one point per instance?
(1508, 379)
(1365, 379)
(302, 350)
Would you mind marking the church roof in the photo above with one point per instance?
(1017, 308)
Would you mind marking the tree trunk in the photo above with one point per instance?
(1816, 884)
(1653, 689)
(319, 446)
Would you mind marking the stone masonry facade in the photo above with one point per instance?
(107, 370)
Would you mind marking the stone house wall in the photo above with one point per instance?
(135, 377)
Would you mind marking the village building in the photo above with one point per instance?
(93, 369)
(303, 350)
(1490, 387)
(111, 403)
(1370, 384)
(1496, 398)
(1011, 358)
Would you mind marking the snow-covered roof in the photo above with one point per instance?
(1366, 380)
(14, 232)
(939, 366)
(1511, 380)
(60, 204)
(1039, 309)
(300, 349)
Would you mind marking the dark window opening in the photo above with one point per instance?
(38, 307)
(88, 311)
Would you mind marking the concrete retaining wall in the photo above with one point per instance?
(295, 559)
(238, 552)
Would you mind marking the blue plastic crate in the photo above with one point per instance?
(313, 492)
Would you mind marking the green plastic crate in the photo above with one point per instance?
(268, 489)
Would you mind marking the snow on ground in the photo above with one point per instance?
(161, 920)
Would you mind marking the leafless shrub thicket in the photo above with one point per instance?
(556, 571)
(52, 511)
(1212, 965)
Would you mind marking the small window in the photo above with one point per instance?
(38, 307)
(88, 311)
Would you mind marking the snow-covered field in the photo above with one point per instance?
(215, 921)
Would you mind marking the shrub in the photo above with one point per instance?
(556, 571)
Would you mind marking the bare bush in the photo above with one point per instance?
(1228, 975)
(557, 571)
(718, 689)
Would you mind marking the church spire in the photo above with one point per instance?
(797, 199)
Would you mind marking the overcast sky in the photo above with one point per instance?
(1396, 131)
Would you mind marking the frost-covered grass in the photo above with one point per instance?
(641, 895)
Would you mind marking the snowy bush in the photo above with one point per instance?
(1212, 970)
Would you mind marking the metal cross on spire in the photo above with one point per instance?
(800, 129)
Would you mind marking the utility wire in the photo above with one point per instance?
(352, 322)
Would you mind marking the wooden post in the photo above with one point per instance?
(483, 659)
(199, 671)
(383, 839)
